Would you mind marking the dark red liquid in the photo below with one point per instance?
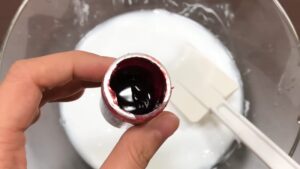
(134, 90)
(139, 85)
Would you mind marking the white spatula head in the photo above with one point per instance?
(192, 76)
(200, 86)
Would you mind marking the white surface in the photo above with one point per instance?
(160, 34)
(208, 94)
(251, 136)
(188, 89)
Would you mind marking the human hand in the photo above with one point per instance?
(31, 83)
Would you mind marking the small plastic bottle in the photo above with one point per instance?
(135, 89)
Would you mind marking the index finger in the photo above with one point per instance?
(58, 69)
(27, 79)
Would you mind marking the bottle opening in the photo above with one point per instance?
(138, 85)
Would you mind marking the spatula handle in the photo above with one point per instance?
(252, 137)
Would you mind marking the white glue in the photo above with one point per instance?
(159, 34)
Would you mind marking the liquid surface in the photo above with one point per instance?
(134, 90)
(160, 34)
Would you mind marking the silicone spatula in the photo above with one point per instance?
(201, 87)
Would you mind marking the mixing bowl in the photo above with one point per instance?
(258, 33)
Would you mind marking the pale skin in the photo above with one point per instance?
(31, 83)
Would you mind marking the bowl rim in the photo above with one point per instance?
(11, 27)
(282, 12)
(21, 8)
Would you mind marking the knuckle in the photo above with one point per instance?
(18, 68)
(18, 74)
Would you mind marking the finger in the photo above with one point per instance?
(36, 117)
(87, 84)
(58, 69)
(67, 98)
(137, 146)
(63, 91)
(66, 92)
(28, 79)
(73, 97)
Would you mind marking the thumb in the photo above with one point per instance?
(138, 144)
